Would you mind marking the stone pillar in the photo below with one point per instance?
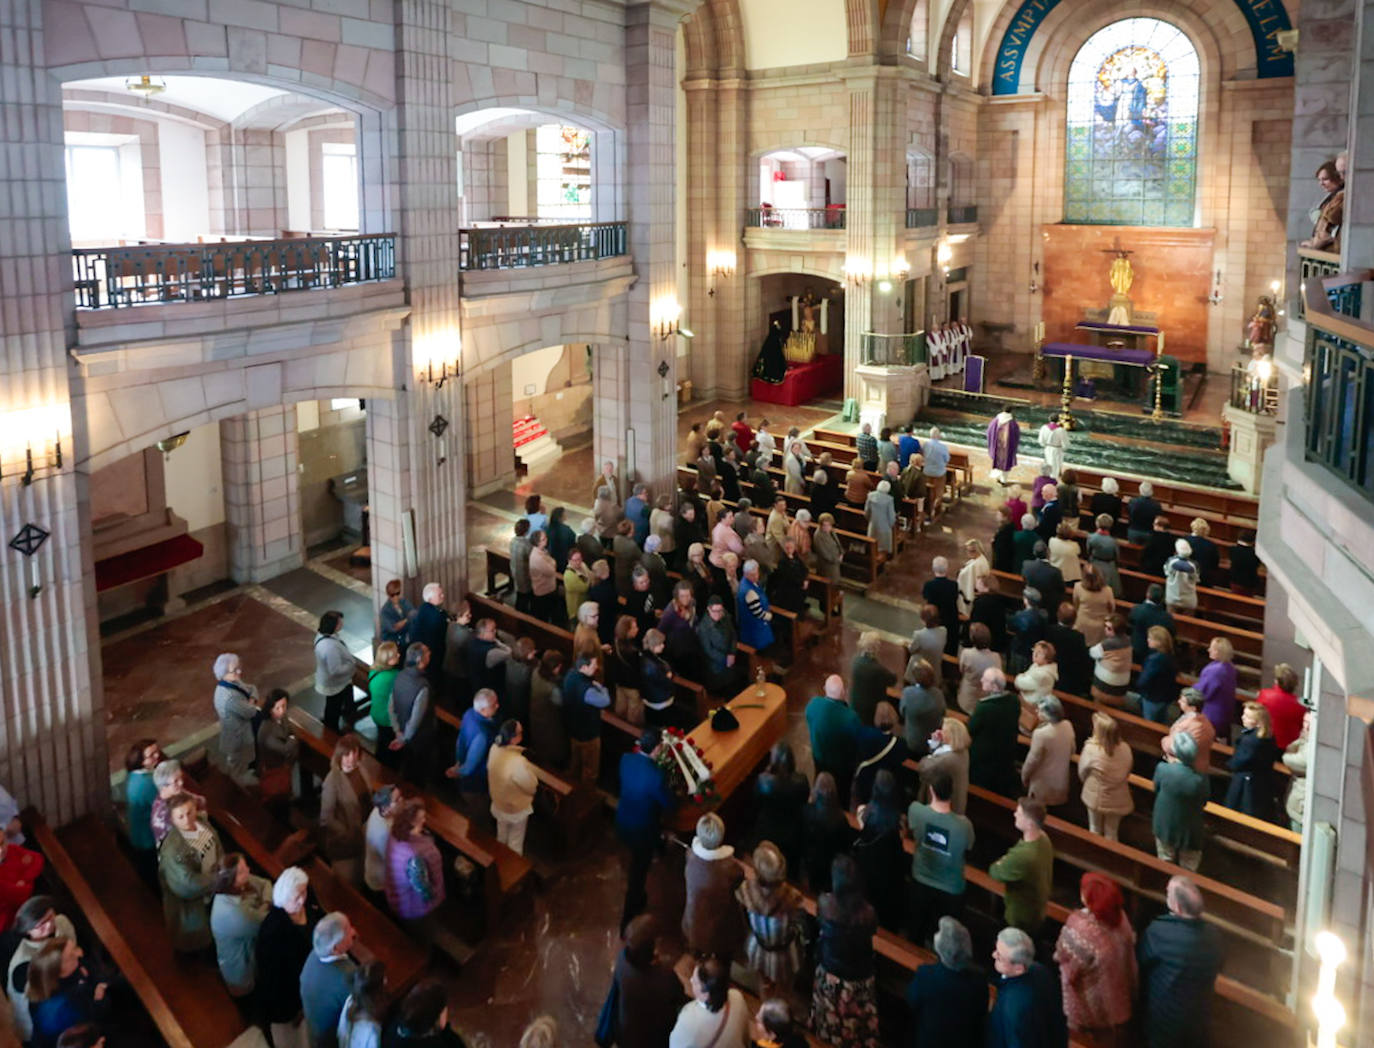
(262, 495)
(875, 215)
(1251, 436)
(490, 445)
(1358, 234)
(418, 483)
(635, 381)
(52, 733)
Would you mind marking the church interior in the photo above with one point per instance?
(338, 333)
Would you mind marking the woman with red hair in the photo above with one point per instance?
(1096, 958)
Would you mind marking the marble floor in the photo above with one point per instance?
(557, 943)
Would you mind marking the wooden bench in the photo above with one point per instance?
(838, 473)
(1214, 505)
(1215, 605)
(254, 831)
(1130, 554)
(570, 807)
(189, 1009)
(1189, 630)
(503, 873)
(545, 636)
(1273, 842)
(959, 477)
(1230, 908)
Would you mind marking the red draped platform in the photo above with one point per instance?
(823, 376)
(146, 562)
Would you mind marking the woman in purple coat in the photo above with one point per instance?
(1217, 682)
(1004, 437)
(414, 868)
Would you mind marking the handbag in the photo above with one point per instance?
(275, 782)
(608, 1022)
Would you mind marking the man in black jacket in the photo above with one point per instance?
(943, 592)
(1149, 612)
(948, 1001)
(1051, 513)
(1158, 548)
(1044, 577)
(1029, 1011)
(1071, 653)
(1180, 955)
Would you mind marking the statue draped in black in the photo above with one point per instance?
(771, 365)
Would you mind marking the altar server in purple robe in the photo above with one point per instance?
(1004, 437)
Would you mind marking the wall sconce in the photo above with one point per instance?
(435, 362)
(720, 264)
(1034, 288)
(944, 255)
(24, 435)
(1330, 1015)
(663, 318)
(1215, 297)
(858, 270)
(1276, 289)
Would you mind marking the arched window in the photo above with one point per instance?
(1131, 151)
(563, 172)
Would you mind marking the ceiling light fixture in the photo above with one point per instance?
(146, 86)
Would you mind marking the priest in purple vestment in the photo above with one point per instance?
(1004, 436)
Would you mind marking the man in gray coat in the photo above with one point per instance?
(327, 979)
(412, 717)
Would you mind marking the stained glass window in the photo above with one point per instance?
(1131, 154)
(564, 172)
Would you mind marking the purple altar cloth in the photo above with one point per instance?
(1134, 329)
(1079, 351)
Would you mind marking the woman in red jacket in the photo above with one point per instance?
(1286, 710)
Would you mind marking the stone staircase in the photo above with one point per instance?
(534, 446)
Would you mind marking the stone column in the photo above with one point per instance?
(1358, 234)
(262, 495)
(52, 733)
(635, 402)
(412, 476)
(875, 215)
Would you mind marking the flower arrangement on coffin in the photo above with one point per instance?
(685, 766)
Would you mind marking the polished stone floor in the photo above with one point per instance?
(555, 947)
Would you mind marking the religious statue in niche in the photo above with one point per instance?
(1259, 329)
(1121, 276)
(810, 327)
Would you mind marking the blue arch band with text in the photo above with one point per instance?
(1266, 18)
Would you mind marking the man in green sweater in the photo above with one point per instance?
(1027, 869)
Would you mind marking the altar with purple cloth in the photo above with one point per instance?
(1118, 365)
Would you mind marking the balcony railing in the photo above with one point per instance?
(921, 217)
(1314, 266)
(1340, 390)
(519, 247)
(906, 349)
(795, 218)
(112, 277)
(963, 214)
(1254, 388)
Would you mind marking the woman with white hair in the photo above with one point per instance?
(881, 512)
(1045, 773)
(948, 1001)
(794, 467)
(1107, 501)
(236, 704)
(283, 946)
(1180, 579)
(799, 531)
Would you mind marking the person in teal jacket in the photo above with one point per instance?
(834, 729)
(139, 793)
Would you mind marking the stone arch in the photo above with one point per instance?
(159, 428)
(567, 338)
(896, 25)
(944, 54)
(862, 18)
(713, 38)
(593, 117)
(833, 269)
(1218, 31)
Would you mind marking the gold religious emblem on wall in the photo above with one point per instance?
(1121, 276)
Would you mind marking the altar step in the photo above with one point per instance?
(533, 444)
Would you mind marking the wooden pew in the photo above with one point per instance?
(689, 693)
(854, 515)
(959, 478)
(1258, 919)
(503, 872)
(1129, 555)
(1215, 605)
(1276, 843)
(189, 1009)
(1236, 507)
(570, 807)
(1190, 630)
(253, 831)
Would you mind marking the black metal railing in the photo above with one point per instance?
(909, 348)
(1339, 405)
(112, 277)
(519, 247)
(1314, 266)
(795, 218)
(921, 217)
(963, 214)
(1254, 388)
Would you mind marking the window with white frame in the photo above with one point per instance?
(105, 188)
(339, 185)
